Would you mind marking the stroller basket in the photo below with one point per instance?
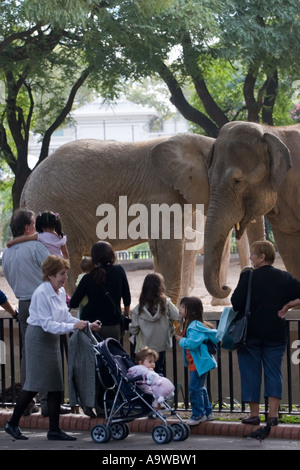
(124, 400)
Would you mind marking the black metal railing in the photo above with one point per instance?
(223, 383)
(147, 254)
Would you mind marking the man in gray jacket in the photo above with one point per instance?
(22, 267)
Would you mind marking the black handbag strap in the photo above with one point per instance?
(109, 297)
(247, 308)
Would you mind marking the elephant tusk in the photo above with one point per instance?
(237, 226)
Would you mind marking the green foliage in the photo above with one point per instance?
(219, 61)
(150, 92)
(257, 31)
(226, 82)
(6, 182)
(57, 12)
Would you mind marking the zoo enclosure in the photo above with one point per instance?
(223, 382)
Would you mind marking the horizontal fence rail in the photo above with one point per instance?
(223, 383)
(147, 254)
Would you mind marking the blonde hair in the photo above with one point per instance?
(86, 264)
(264, 248)
(141, 355)
(52, 265)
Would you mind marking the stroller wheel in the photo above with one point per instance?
(101, 434)
(162, 434)
(187, 430)
(119, 431)
(181, 431)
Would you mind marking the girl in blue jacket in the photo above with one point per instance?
(196, 356)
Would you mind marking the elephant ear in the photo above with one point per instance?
(181, 162)
(210, 156)
(281, 161)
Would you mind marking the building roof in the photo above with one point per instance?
(120, 107)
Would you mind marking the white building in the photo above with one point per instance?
(122, 120)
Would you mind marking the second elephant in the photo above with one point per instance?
(254, 170)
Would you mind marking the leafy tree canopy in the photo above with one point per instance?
(218, 60)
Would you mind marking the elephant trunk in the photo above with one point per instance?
(217, 228)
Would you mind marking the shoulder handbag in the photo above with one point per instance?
(235, 335)
(211, 347)
(124, 321)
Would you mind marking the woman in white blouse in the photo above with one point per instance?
(49, 318)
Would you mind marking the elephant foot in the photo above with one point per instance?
(215, 302)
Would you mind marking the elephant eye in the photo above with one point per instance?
(239, 184)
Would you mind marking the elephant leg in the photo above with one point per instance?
(243, 250)
(168, 258)
(188, 272)
(152, 247)
(193, 243)
(75, 269)
(288, 247)
(256, 231)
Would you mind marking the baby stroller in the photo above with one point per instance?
(124, 400)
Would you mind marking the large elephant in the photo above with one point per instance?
(254, 170)
(85, 179)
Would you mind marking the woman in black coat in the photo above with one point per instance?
(266, 342)
(104, 287)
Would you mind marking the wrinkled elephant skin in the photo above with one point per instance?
(254, 170)
(82, 175)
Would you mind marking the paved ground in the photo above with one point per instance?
(215, 435)
(150, 452)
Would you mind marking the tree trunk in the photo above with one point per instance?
(269, 101)
(19, 183)
(251, 103)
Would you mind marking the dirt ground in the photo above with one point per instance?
(137, 270)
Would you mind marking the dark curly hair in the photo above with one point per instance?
(49, 220)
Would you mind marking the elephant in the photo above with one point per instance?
(86, 179)
(254, 170)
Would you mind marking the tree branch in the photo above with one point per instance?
(63, 114)
(179, 101)
(19, 35)
(191, 60)
(6, 150)
(251, 103)
(269, 101)
(13, 111)
(32, 45)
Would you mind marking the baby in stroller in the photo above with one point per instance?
(125, 400)
(160, 387)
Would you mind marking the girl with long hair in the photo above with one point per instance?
(193, 341)
(152, 319)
